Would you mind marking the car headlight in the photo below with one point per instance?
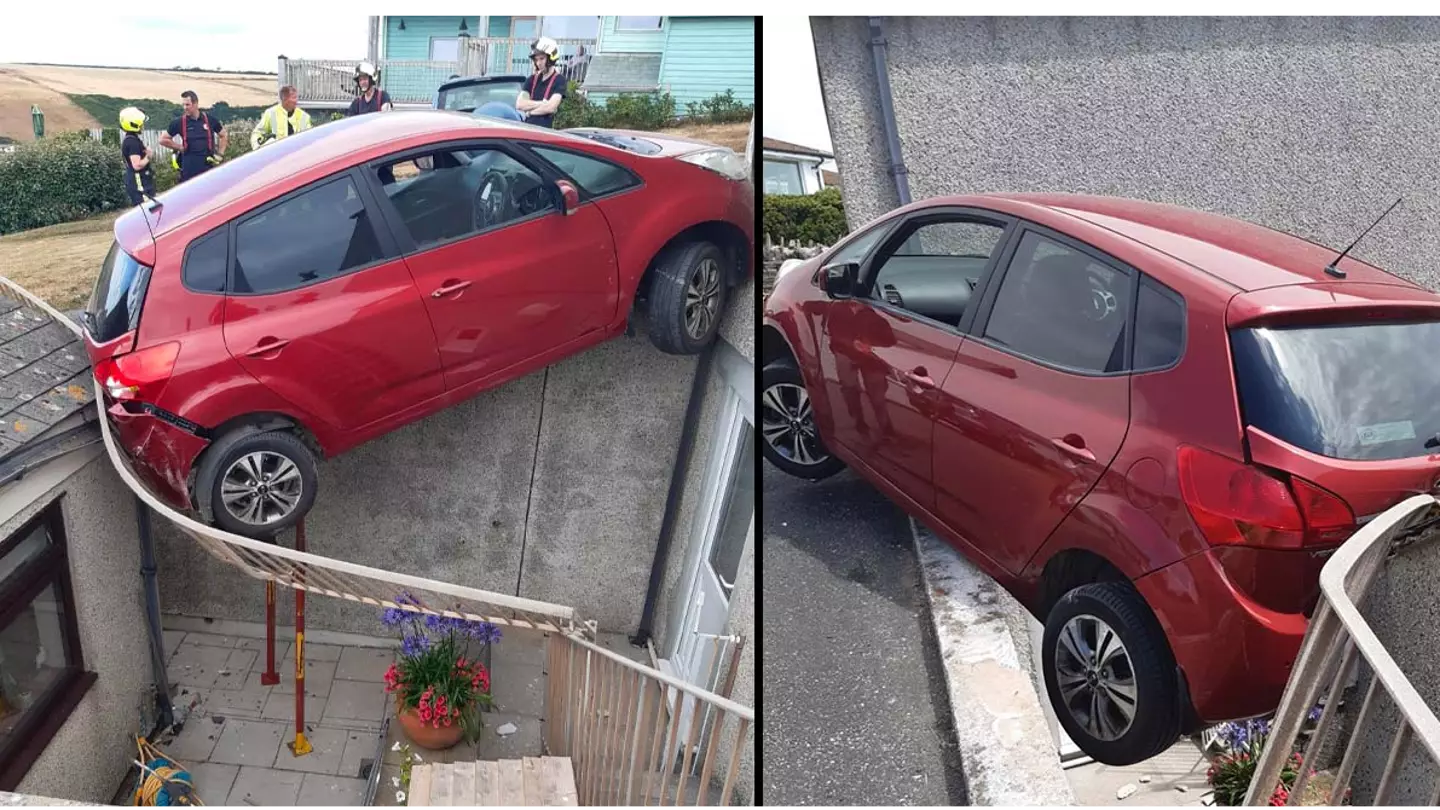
(721, 161)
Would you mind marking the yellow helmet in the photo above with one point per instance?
(132, 119)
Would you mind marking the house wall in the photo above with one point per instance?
(89, 757)
(1306, 124)
(552, 486)
(414, 82)
(810, 178)
(705, 56)
(612, 40)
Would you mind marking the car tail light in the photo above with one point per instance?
(138, 376)
(1238, 504)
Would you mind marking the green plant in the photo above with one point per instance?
(106, 109)
(644, 111)
(58, 180)
(110, 137)
(808, 218)
(722, 108)
(434, 676)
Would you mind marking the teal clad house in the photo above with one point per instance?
(692, 58)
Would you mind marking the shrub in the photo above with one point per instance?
(110, 137)
(722, 108)
(645, 111)
(58, 180)
(808, 218)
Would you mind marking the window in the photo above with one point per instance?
(444, 49)
(313, 236)
(935, 270)
(41, 671)
(1060, 306)
(638, 23)
(206, 261)
(593, 175)
(782, 177)
(858, 248)
(739, 513)
(454, 194)
(1159, 326)
(114, 307)
(570, 27)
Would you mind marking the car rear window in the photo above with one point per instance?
(114, 307)
(474, 96)
(1362, 392)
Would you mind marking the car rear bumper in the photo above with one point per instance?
(1235, 653)
(161, 454)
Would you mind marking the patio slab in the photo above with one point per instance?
(266, 787)
(320, 790)
(328, 749)
(249, 742)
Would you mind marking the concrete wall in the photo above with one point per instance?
(552, 487)
(1312, 125)
(89, 757)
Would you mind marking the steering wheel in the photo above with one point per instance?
(490, 197)
(1103, 303)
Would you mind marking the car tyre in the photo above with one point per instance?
(1091, 696)
(687, 297)
(233, 461)
(785, 410)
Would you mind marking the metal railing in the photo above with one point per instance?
(1337, 639)
(637, 736)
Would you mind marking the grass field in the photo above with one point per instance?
(60, 263)
(48, 86)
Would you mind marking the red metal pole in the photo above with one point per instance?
(269, 677)
(300, 746)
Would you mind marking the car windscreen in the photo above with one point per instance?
(474, 96)
(114, 307)
(1360, 392)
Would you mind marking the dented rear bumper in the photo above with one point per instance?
(161, 453)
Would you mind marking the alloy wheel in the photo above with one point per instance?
(1096, 678)
(788, 424)
(702, 299)
(261, 488)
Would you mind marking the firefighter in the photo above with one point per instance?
(281, 120)
(139, 177)
(546, 86)
(371, 98)
(192, 138)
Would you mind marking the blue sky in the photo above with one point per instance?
(231, 37)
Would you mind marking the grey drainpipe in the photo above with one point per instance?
(152, 616)
(887, 110)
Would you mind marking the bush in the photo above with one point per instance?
(110, 137)
(58, 180)
(808, 218)
(646, 111)
(722, 108)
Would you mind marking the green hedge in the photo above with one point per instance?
(58, 180)
(646, 111)
(810, 218)
(722, 108)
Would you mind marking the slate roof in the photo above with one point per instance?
(44, 375)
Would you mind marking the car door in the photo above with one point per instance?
(892, 346)
(321, 309)
(1038, 401)
(505, 274)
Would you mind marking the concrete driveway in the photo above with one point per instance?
(855, 704)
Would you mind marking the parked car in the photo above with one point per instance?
(1151, 425)
(297, 301)
(470, 93)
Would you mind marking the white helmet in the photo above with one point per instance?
(366, 69)
(547, 46)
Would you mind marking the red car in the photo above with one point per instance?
(1151, 425)
(349, 280)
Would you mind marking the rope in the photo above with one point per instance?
(166, 781)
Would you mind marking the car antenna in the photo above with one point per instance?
(1333, 269)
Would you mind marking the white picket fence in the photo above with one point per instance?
(150, 137)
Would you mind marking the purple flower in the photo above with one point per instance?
(414, 645)
(392, 617)
(1314, 714)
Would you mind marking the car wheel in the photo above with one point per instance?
(687, 297)
(787, 425)
(1110, 674)
(256, 484)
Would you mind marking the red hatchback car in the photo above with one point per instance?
(349, 280)
(1151, 425)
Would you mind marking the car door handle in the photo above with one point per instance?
(450, 288)
(1074, 445)
(921, 378)
(266, 346)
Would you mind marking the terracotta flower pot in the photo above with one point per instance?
(426, 735)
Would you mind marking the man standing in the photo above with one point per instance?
(139, 178)
(371, 98)
(193, 138)
(546, 86)
(280, 121)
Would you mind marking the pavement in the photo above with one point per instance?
(856, 709)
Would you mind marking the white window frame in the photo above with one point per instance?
(659, 24)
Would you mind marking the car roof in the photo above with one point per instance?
(330, 144)
(464, 81)
(1245, 255)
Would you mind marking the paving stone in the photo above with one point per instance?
(318, 677)
(281, 706)
(356, 700)
(318, 652)
(213, 780)
(236, 672)
(265, 787)
(328, 748)
(172, 640)
(212, 640)
(525, 742)
(364, 664)
(330, 791)
(196, 741)
(247, 703)
(197, 666)
(518, 689)
(359, 746)
(248, 742)
(519, 647)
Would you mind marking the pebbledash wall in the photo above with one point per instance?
(1312, 125)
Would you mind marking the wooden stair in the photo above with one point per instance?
(529, 782)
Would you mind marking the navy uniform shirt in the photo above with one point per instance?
(196, 143)
(541, 90)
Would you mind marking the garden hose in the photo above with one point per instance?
(164, 781)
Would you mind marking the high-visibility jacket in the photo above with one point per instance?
(272, 125)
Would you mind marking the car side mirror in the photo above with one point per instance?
(838, 280)
(569, 196)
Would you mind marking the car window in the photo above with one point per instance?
(1159, 326)
(1061, 306)
(457, 193)
(593, 175)
(858, 248)
(206, 261)
(474, 96)
(313, 236)
(935, 270)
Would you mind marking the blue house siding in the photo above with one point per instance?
(417, 83)
(705, 56)
(613, 41)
